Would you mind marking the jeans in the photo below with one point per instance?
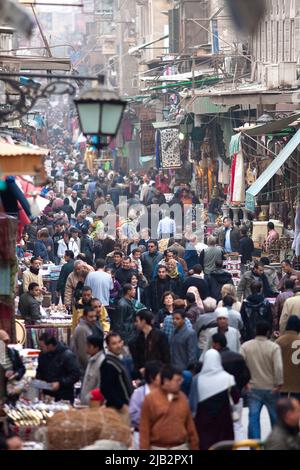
(187, 381)
(256, 400)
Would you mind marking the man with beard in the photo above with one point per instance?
(76, 204)
(33, 274)
(256, 274)
(285, 434)
(158, 286)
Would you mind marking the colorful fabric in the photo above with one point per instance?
(237, 184)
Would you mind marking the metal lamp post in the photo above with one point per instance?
(100, 112)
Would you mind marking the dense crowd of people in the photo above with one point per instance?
(157, 322)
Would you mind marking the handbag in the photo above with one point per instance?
(235, 416)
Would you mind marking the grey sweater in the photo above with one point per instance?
(183, 347)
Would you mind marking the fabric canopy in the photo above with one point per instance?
(269, 127)
(272, 169)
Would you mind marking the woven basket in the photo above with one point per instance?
(74, 429)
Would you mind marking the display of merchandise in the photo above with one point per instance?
(232, 264)
(33, 414)
(61, 331)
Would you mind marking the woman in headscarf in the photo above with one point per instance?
(195, 291)
(176, 279)
(210, 402)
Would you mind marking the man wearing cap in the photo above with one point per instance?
(232, 334)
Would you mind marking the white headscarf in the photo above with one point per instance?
(198, 299)
(213, 379)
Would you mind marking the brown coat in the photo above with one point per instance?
(167, 423)
(291, 361)
(72, 281)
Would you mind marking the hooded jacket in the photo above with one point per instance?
(216, 280)
(255, 309)
(155, 291)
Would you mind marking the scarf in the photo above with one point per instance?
(34, 270)
(173, 273)
(213, 379)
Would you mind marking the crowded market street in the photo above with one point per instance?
(149, 230)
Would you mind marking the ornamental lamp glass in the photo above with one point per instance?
(100, 112)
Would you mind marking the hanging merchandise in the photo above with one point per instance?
(251, 176)
(89, 158)
(170, 150)
(237, 182)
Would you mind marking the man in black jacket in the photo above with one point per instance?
(87, 245)
(124, 274)
(246, 246)
(115, 383)
(217, 279)
(150, 259)
(124, 321)
(29, 306)
(254, 310)
(58, 366)
(66, 269)
(151, 344)
(157, 287)
(196, 281)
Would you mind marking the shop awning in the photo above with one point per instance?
(272, 169)
(270, 127)
(20, 160)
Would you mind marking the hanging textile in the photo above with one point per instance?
(223, 173)
(237, 183)
(170, 151)
(157, 148)
(296, 242)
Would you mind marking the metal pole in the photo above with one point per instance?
(98, 78)
(54, 4)
(41, 31)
